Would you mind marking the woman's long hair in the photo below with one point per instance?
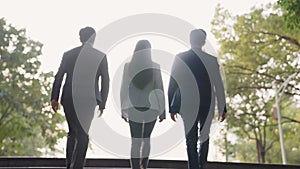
(140, 67)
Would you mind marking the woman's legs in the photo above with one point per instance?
(136, 143)
(140, 143)
(147, 130)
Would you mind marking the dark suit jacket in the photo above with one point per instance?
(67, 67)
(205, 69)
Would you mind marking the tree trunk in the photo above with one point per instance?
(260, 152)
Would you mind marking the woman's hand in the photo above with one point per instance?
(126, 119)
(100, 112)
(174, 116)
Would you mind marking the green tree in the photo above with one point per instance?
(27, 123)
(258, 54)
(291, 13)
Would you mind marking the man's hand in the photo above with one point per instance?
(222, 117)
(54, 105)
(100, 112)
(174, 116)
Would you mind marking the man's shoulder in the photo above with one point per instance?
(209, 55)
(93, 51)
(193, 54)
(77, 50)
(204, 55)
(72, 53)
(184, 54)
(98, 52)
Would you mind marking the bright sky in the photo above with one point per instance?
(56, 24)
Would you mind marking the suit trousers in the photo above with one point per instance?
(198, 132)
(77, 142)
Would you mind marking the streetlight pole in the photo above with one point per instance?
(277, 102)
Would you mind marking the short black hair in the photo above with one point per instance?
(197, 37)
(87, 34)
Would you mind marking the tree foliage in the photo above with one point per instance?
(26, 122)
(258, 56)
(291, 13)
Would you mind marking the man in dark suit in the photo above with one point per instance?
(74, 93)
(204, 70)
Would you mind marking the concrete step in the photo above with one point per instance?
(58, 163)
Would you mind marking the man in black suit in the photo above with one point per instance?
(79, 121)
(204, 70)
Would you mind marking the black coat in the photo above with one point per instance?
(67, 67)
(205, 70)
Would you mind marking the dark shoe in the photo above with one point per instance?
(144, 163)
(135, 163)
